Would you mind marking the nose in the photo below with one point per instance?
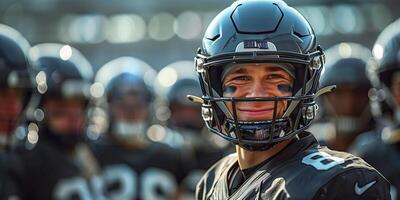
(258, 89)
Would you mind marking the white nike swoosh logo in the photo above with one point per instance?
(361, 190)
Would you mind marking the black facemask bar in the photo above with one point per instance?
(260, 135)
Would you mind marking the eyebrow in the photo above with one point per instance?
(239, 71)
(268, 69)
(274, 69)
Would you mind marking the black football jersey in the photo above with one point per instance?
(45, 172)
(303, 170)
(385, 157)
(152, 172)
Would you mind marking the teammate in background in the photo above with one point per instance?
(184, 119)
(15, 91)
(260, 66)
(57, 164)
(133, 167)
(380, 147)
(15, 84)
(345, 113)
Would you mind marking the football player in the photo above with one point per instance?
(203, 148)
(15, 84)
(260, 66)
(133, 167)
(57, 165)
(15, 90)
(380, 147)
(345, 112)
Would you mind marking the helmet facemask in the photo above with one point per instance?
(262, 134)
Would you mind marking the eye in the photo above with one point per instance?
(241, 78)
(276, 76)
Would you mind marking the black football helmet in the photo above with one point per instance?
(345, 67)
(382, 68)
(174, 82)
(382, 71)
(259, 31)
(62, 73)
(117, 79)
(15, 73)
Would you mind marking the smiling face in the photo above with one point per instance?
(257, 80)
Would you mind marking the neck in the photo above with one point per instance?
(249, 159)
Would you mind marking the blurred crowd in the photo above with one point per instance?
(128, 131)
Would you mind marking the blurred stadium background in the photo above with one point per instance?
(164, 31)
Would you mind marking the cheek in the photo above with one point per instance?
(229, 91)
(281, 107)
(284, 88)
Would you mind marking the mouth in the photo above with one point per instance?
(255, 113)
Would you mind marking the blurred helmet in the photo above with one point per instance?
(15, 80)
(126, 97)
(384, 69)
(384, 73)
(259, 31)
(174, 82)
(348, 106)
(62, 73)
(346, 65)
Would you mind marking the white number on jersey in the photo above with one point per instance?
(322, 160)
(153, 183)
(157, 184)
(125, 178)
(77, 186)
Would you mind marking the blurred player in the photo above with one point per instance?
(57, 165)
(260, 66)
(15, 83)
(15, 91)
(345, 112)
(381, 148)
(133, 166)
(203, 147)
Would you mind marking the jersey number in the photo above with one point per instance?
(124, 182)
(322, 160)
